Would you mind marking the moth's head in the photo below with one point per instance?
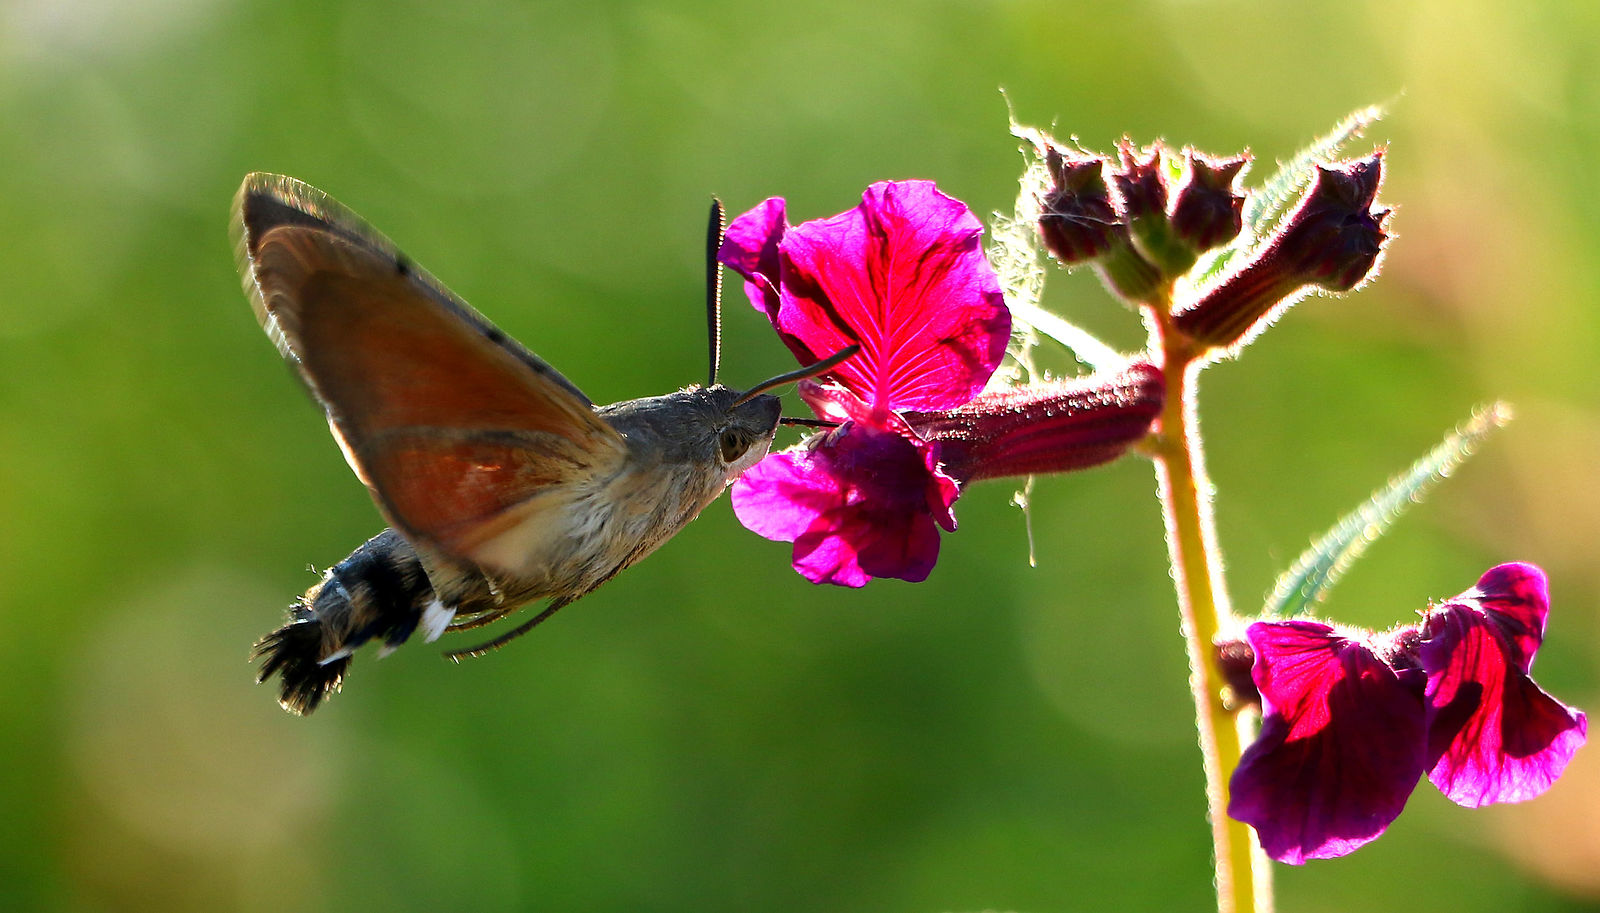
(746, 431)
(750, 419)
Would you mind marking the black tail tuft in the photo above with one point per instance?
(380, 591)
(292, 652)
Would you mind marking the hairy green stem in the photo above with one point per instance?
(1243, 878)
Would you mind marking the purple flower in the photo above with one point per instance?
(903, 276)
(1341, 747)
(1352, 720)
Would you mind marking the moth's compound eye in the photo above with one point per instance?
(733, 443)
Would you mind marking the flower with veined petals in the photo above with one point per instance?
(1352, 720)
(903, 276)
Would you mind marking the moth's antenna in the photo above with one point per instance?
(811, 370)
(716, 226)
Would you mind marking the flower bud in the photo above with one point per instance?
(1332, 240)
(1057, 426)
(1142, 194)
(1208, 212)
(1235, 658)
(1078, 222)
(1141, 183)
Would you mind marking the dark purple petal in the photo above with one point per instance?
(1341, 744)
(904, 546)
(904, 276)
(1494, 735)
(1517, 598)
(858, 503)
(750, 248)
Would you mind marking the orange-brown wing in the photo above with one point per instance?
(458, 431)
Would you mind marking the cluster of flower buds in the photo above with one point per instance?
(1144, 220)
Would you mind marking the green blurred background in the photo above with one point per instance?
(709, 732)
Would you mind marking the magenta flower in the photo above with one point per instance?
(1352, 720)
(904, 277)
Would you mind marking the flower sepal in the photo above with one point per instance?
(1144, 193)
(1056, 426)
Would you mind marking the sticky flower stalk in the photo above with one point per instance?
(1243, 876)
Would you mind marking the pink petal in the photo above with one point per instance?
(900, 545)
(1517, 597)
(903, 275)
(1494, 734)
(783, 494)
(859, 503)
(750, 248)
(1341, 744)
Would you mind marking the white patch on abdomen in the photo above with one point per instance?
(435, 618)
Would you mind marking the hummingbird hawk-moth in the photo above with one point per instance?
(501, 482)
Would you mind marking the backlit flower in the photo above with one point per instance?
(903, 276)
(1352, 720)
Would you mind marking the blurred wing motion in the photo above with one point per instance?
(463, 436)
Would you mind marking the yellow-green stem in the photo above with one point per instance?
(1243, 877)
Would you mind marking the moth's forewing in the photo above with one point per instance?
(462, 435)
(268, 201)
